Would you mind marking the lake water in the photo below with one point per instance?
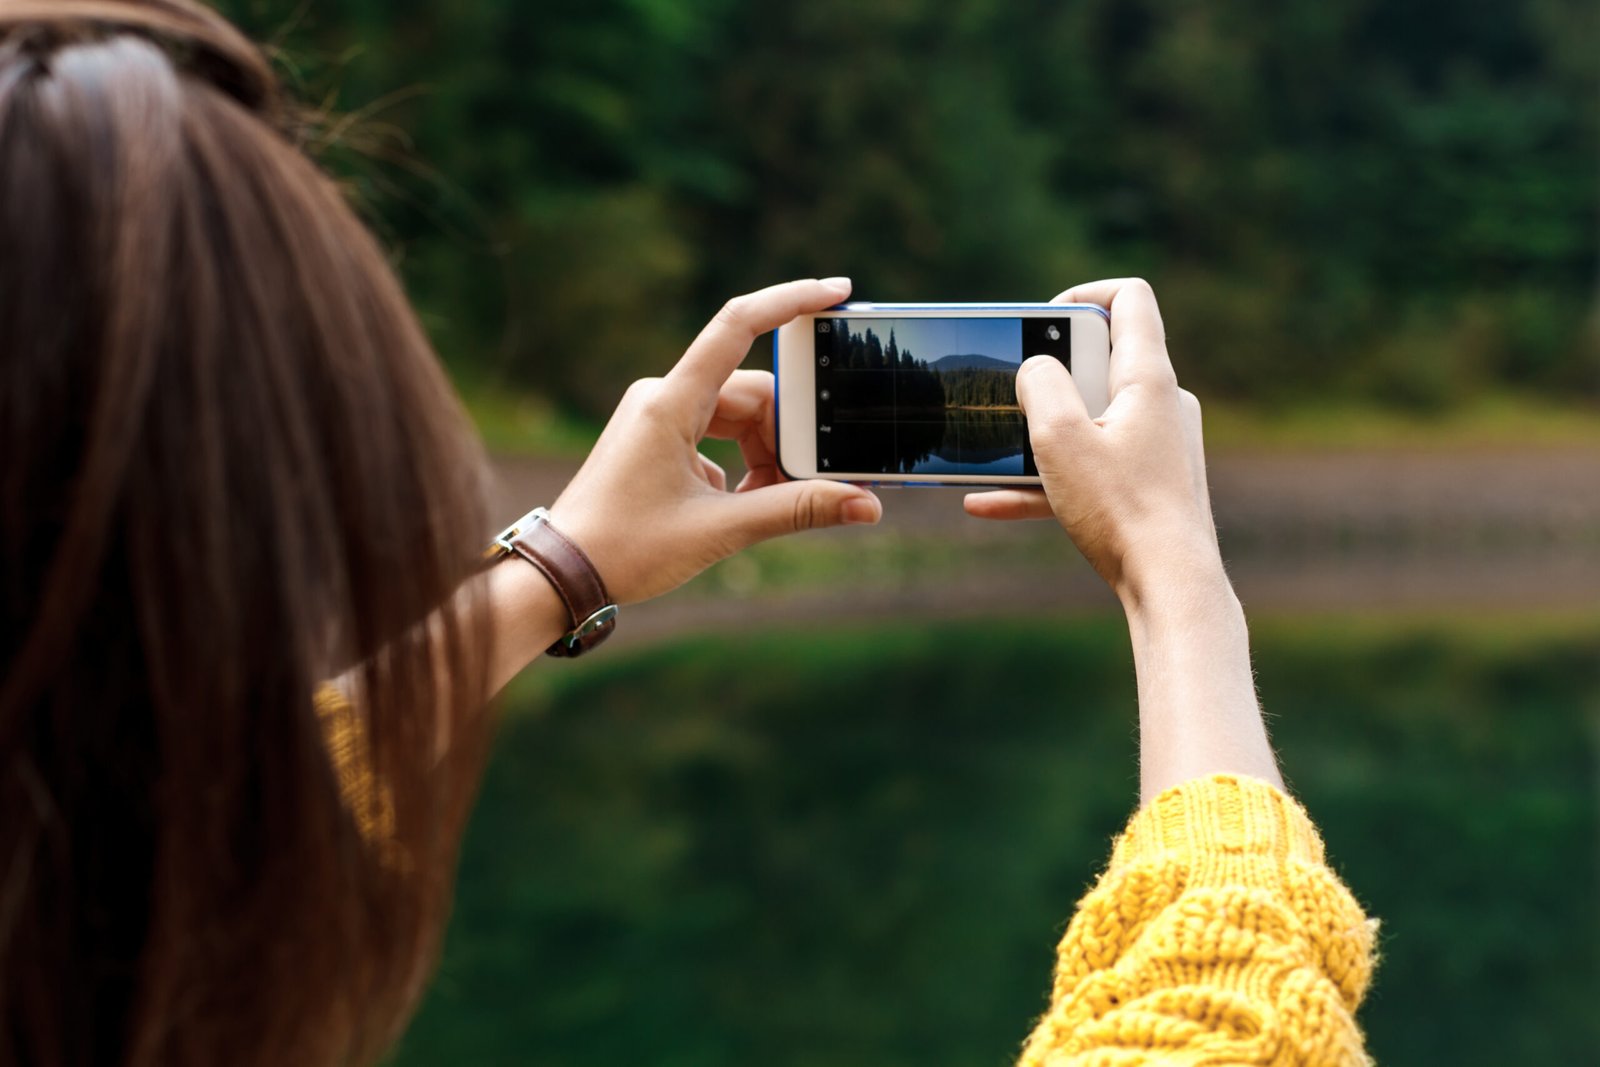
(940, 441)
(857, 848)
(852, 842)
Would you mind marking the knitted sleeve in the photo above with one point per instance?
(1217, 935)
(344, 734)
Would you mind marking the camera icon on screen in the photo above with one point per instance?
(824, 327)
(1053, 332)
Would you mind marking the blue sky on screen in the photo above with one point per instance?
(931, 339)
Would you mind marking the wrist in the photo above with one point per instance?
(590, 611)
(1192, 615)
(1185, 579)
(529, 613)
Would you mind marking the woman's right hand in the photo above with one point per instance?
(1130, 486)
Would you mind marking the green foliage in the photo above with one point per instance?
(859, 847)
(979, 388)
(1386, 203)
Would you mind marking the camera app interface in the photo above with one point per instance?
(928, 396)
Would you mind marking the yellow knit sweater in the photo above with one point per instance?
(1216, 936)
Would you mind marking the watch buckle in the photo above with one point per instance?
(501, 545)
(598, 621)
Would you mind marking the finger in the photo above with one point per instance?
(1189, 406)
(1194, 439)
(789, 507)
(744, 413)
(746, 397)
(1008, 504)
(725, 341)
(1138, 338)
(714, 473)
(1050, 399)
(760, 478)
(1102, 292)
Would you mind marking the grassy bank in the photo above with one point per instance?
(859, 847)
(1504, 422)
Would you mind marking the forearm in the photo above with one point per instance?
(526, 617)
(1198, 712)
(1217, 934)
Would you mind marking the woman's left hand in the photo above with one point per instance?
(650, 510)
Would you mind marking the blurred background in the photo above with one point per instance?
(833, 804)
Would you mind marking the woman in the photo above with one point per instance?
(233, 471)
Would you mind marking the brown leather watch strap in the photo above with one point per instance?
(593, 616)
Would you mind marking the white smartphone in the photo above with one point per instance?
(925, 394)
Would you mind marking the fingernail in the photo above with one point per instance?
(860, 511)
(840, 284)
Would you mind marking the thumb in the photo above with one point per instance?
(1051, 402)
(789, 507)
(1048, 394)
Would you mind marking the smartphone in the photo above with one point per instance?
(925, 394)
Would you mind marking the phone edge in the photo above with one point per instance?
(865, 305)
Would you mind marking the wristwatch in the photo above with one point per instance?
(590, 609)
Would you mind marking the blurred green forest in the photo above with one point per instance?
(1352, 202)
(864, 852)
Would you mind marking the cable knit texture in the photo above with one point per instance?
(344, 733)
(1216, 936)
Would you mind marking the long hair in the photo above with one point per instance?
(232, 474)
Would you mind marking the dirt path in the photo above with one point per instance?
(1348, 531)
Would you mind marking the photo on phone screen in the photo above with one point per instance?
(928, 396)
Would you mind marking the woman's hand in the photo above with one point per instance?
(650, 510)
(1130, 486)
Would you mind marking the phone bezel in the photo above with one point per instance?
(794, 371)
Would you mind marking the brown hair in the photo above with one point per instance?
(231, 469)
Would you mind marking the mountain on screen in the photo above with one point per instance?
(971, 361)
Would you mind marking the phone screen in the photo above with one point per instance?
(928, 396)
